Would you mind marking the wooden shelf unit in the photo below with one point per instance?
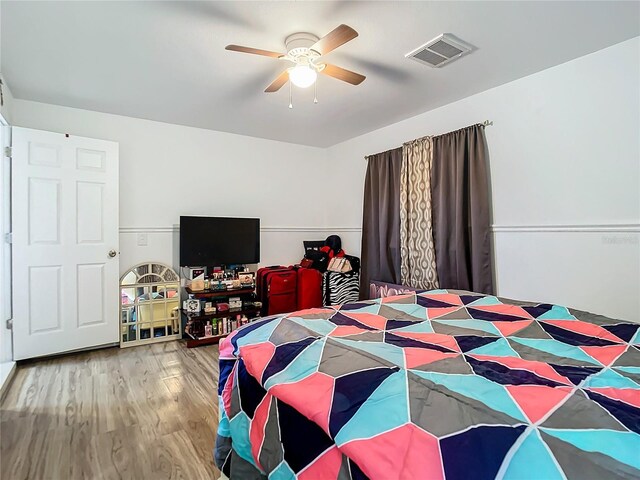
(193, 342)
(251, 312)
(227, 314)
(220, 293)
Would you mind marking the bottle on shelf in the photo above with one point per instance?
(227, 302)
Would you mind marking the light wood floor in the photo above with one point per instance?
(145, 412)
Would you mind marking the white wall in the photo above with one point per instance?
(7, 106)
(565, 179)
(564, 166)
(169, 170)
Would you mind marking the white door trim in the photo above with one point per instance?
(7, 364)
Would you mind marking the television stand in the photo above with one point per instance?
(223, 322)
(220, 293)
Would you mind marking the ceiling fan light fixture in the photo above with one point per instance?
(302, 76)
(305, 51)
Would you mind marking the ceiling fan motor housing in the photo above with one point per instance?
(299, 47)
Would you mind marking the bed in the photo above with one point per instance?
(429, 385)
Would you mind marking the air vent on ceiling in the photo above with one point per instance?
(441, 50)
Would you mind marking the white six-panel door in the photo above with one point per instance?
(65, 242)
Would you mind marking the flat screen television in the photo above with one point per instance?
(213, 241)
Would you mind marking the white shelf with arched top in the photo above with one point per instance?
(149, 304)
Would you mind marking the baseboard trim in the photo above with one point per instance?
(272, 229)
(585, 228)
(8, 380)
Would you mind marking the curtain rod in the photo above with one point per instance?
(486, 123)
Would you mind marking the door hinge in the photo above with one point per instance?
(8, 237)
(7, 152)
(9, 324)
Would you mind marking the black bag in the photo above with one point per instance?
(312, 245)
(355, 263)
(320, 260)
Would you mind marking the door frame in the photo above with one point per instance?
(7, 363)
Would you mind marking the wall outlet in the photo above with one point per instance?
(142, 239)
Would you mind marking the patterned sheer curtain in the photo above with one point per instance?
(417, 251)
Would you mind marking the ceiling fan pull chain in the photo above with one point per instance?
(290, 98)
(315, 92)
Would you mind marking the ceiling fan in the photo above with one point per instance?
(305, 51)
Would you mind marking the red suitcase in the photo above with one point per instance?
(277, 290)
(260, 280)
(309, 288)
(261, 285)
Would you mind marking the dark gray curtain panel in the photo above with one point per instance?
(381, 220)
(461, 210)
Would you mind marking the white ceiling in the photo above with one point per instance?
(166, 60)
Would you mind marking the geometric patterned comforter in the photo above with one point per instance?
(438, 384)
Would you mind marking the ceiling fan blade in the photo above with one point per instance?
(255, 51)
(332, 40)
(278, 82)
(343, 74)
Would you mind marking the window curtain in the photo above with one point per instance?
(460, 197)
(381, 220)
(418, 256)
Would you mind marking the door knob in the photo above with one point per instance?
(112, 253)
